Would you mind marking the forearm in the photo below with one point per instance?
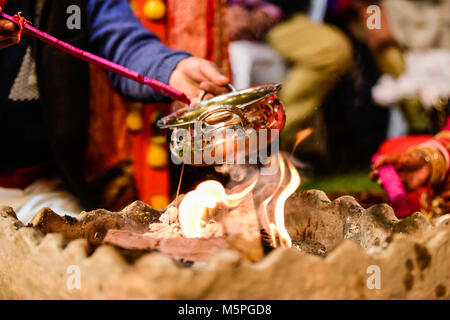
(120, 37)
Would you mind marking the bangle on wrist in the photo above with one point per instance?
(435, 144)
(443, 135)
(436, 161)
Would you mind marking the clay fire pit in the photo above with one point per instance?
(335, 245)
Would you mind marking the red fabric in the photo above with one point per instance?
(402, 144)
(23, 177)
(404, 205)
(343, 5)
(420, 198)
(150, 182)
(210, 29)
(447, 125)
(158, 27)
(108, 111)
(3, 3)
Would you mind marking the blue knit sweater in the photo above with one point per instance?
(120, 37)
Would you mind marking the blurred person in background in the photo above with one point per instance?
(337, 56)
(356, 125)
(318, 55)
(251, 19)
(253, 62)
(423, 164)
(421, 29)
(422, 91)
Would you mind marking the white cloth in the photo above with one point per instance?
(255, 63)
(427, 77)
(318, 10)
(25, 87)
(45, 193)
(398, 125)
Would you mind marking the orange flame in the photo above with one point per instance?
(193, 209)
(294, 183)
(194, 206)
(265, 205)
(300, 136)
(275, 223)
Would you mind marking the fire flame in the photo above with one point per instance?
(292, 186)
(300, 137)
(271, 227)
(194, 206)
(193, 209)
(276, 224)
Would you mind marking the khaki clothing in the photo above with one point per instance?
(320, 55)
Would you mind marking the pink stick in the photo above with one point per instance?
(101, 62)
(394, 188)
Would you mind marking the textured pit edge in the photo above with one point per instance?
(36, 267)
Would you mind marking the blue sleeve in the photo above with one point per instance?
(120, 37)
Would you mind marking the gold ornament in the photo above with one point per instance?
(437, 162)
(154, 9)
(134, 120)
(159, 202)
(157, 153)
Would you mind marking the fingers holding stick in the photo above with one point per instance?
(9, 33)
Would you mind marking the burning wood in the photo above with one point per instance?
(189, 249)
(242, 229)
(224, 228)
(196, 226)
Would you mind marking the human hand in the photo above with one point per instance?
(194, 75)
(412, 168)
(9, 35)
